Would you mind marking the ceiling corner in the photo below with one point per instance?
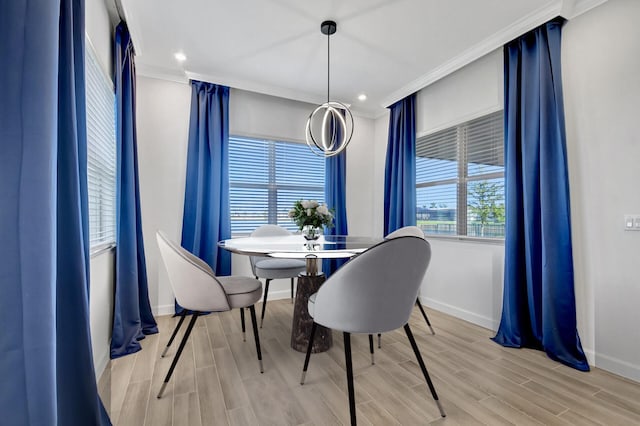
(574, 8)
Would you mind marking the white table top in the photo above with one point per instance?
(296, 247)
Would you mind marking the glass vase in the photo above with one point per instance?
(311, 232)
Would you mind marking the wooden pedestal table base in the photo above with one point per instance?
(302, 322)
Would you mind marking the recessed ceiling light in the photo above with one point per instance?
(362, 97)
(180, 57)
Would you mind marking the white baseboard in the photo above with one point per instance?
(279, 294)
(618, 366)
(494, 325)
(472, 317)
(101, 363)
(591, 356)
(160, 310)
(163, 310)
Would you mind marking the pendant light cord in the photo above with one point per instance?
(328, 62)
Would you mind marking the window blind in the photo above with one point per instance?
(101, 152)
(266, 177)
(460, 179)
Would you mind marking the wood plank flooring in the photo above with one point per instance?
(218, 382)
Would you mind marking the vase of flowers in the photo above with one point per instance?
(310, 216)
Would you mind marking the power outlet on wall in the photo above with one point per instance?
(632, 222)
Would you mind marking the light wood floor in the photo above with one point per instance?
(217, 381)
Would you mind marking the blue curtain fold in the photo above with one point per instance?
(206, 218)
(46, 360)
(335, 193)
(132, 317)
(400, 169)
(539, 308)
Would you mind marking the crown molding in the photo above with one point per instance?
(252, 86)
(159, 73)
(486, 46)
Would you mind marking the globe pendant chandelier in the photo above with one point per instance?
(330, 125)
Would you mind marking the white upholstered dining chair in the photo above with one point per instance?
(373, 293)
(271, 269)
(198, 290)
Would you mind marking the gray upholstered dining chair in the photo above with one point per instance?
(198, 290)
(373, 293)
(404, 232)
(271, 269)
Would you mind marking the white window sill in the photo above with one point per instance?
(101, 248)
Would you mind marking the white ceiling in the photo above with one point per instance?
(384, 48)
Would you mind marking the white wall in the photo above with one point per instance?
(381, 134)
(102, 281)
(602, 106)
(163, 126)
(458, 97)
(163, 119)
(99, 31)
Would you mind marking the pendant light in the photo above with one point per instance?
(330, 125)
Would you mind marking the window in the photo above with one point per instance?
(101, 152)
(460, 179)
(266, 177)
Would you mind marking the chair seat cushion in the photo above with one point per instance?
(279, 268)
(241, 291)
(312, 304)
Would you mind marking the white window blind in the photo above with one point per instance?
(265, 179)
(460, 179)
(101, 152)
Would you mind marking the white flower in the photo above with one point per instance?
(323, 210)
(313, 204)
(306, 204)
(292, 213)
(309, 212)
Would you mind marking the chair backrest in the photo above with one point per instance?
(406, 231)
(265, 231)
(375, 291)
(194, 284)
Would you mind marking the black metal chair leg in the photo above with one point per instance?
(379, 341)
(424, 314)
(244, 331)
(347, 358)
(373, 361)
(180, 348)
(173, 335)
(416, 351)
(306, 358)
(252, 309)
(291, 289)
(264, 301)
